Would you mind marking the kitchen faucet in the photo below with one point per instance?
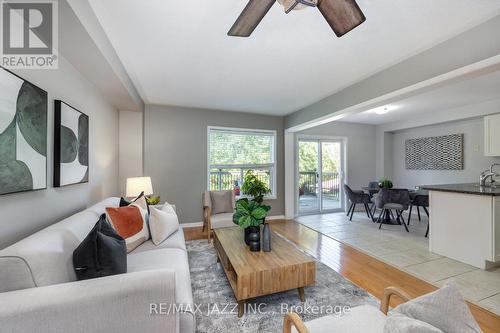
(488, 174)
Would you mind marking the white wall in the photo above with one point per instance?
(130, 146)
(474, 159)
(361, 149)
(24, 213)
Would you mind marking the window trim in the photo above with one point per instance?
(274, 188)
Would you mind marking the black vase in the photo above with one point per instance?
(252, 238)
(266, 238)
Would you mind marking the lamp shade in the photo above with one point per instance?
(137, 185)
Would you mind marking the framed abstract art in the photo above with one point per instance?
(71, 145)
(23, 135)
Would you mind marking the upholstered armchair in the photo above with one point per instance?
(357, 197)
(218, 209)
(393, 199)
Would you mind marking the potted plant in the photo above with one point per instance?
(385, 183)
(254, 187)
(249, 215)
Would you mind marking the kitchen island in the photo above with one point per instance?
(465, 223)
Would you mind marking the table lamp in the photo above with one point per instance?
(137, 185)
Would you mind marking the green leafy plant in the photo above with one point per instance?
(249, 213)
(153, 200)
(254, 187)
(385, 183)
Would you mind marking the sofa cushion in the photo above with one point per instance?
(175, 241)
(444, 308)
(175, 259)
(222, 201)
(361, 319)
(222, 220)
(102, 253)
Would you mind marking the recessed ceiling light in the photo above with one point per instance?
(382, 110)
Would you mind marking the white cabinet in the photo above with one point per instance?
(496, 230)
(492, 135)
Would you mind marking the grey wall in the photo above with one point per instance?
(130, 147)
(474, 159)
(361, 149)
(175, 153)
(24, 213)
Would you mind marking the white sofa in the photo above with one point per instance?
(39, 291)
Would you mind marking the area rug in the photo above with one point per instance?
(331, 295)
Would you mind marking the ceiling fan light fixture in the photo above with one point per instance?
(290, 5)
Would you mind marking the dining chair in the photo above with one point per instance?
(420, 199)
(373, 190)
(389, 200)
(357, 197)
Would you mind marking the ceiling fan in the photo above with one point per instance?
(341, 15)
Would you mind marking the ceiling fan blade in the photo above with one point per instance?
(341, 15)
(250, 17)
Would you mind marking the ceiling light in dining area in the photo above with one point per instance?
(382, 109)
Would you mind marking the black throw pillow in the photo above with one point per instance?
(102, 253)
(124, 202)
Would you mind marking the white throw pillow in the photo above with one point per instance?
(444, 309)
(399, 323)
(168, 208)
(162, 223)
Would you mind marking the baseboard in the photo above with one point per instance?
(191, 225)
(275, 217)
(200, 224)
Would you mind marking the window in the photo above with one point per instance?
(232, 152)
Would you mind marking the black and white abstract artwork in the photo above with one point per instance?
(71, 145)
(435, 153)
(23, 135)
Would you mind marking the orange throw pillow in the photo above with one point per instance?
(130, 223)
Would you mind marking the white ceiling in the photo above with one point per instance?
(178, 53)
(471, 91)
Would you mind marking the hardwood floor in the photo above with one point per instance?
(363, 270)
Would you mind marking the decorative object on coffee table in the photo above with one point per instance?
(266, 238)
(252, 274)
(23, 135)
(71, 145)
(249, 215)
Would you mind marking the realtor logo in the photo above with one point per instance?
(29, 34)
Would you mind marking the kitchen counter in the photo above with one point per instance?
(464, 188)
(464, 223)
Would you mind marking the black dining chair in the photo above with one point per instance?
(420, 199)
(357, 197)
(389, 200)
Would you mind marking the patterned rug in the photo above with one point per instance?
(217, 306)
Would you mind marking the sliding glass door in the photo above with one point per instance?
(320, 174)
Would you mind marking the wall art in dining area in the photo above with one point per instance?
(71, 145)
(23, 135)
(435, 153)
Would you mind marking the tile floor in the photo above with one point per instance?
(409, 252)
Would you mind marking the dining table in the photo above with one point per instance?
(388, 218)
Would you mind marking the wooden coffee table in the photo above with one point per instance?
(254, 274)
